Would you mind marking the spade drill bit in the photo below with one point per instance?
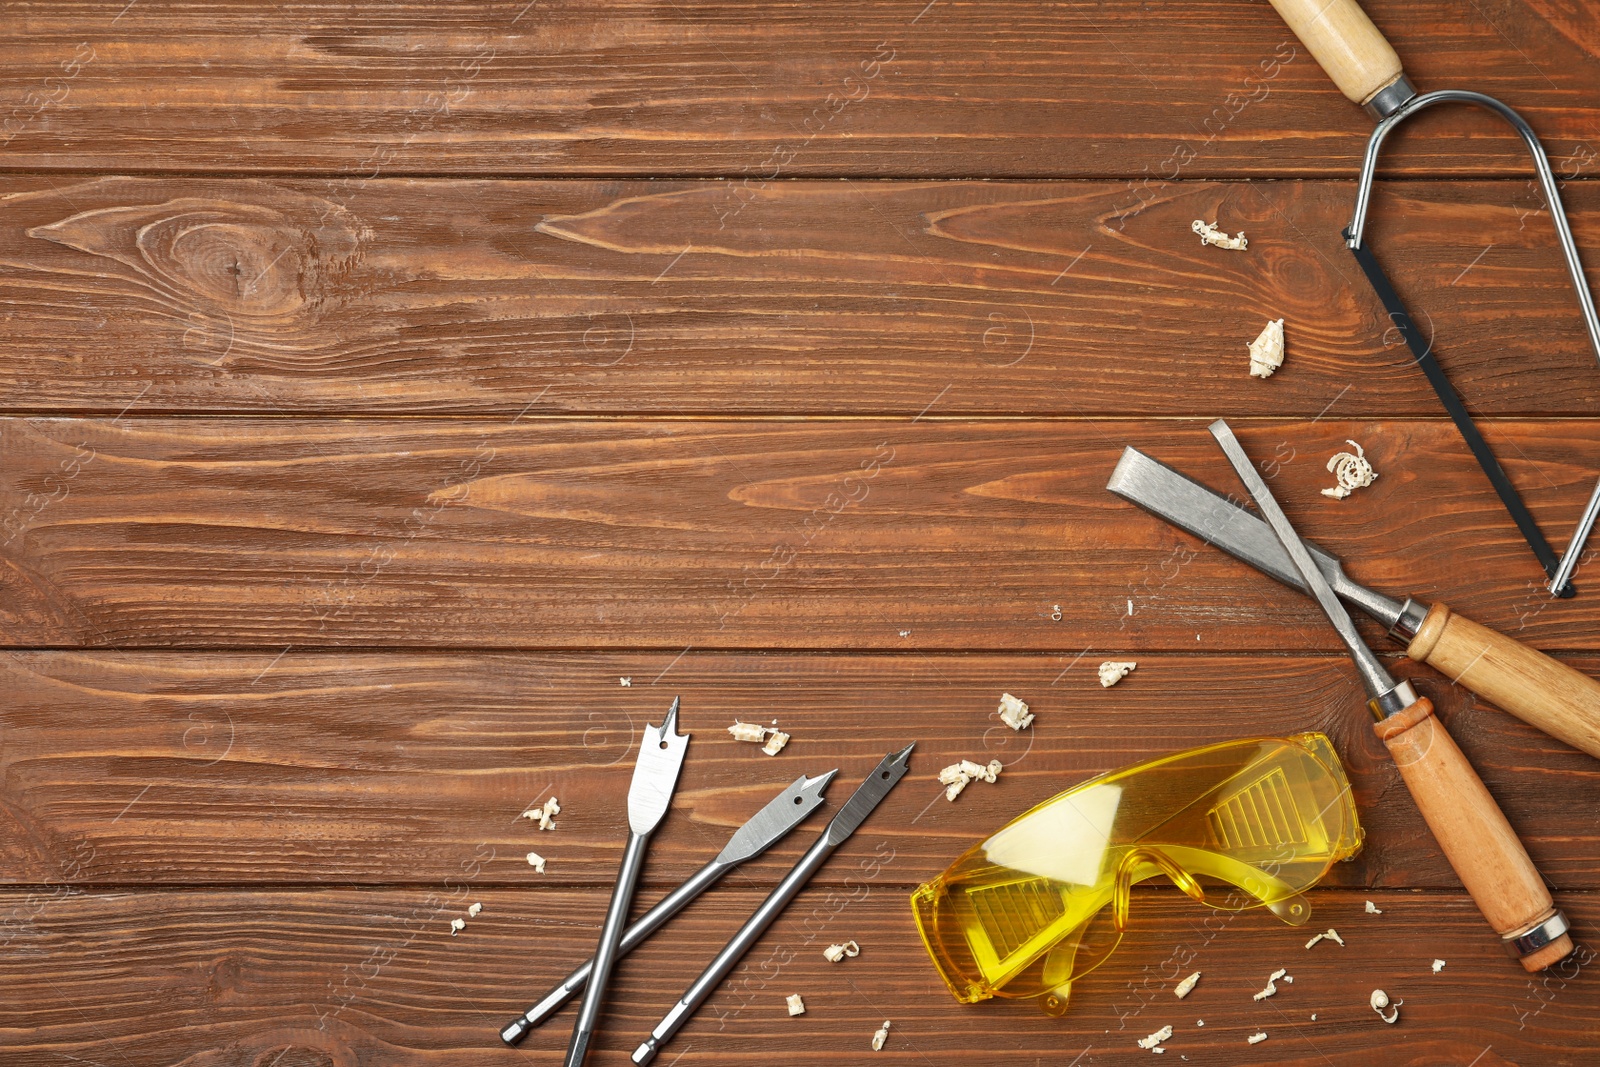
(884, 777)
(763, 830)
(655, 775)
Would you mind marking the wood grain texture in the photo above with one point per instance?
(384, 383)
(144, 296)
(737, 534)
(242, 978)
(324, 769)
(641, 88)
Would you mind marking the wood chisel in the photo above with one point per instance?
(1523, 681)
(1469, 826)
(1367, 70)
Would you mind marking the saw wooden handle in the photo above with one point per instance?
(1346, 43)
(1471, 829)
(1515, 678)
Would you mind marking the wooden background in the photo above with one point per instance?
(383, 383)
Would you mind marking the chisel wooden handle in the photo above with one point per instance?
(1346, 43)
(1515, 678)
(1471, 829)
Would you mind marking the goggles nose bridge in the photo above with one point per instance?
(1127, 871)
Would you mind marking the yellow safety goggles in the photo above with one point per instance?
(1235, 825)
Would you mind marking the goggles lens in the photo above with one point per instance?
(1236, 825)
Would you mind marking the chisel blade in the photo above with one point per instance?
(1217, 520)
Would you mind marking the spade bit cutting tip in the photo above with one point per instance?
(760, 832)
(655, 775)
(868, 795)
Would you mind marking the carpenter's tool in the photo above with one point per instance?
(1366, 69)
(1527, 683)
(867, 796)
(1469, 826)
(655, 775)
(763, 830)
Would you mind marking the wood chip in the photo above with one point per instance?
(1331, 935)
(1266, 351)
(1350, 471)
(1272, 984)
(1210, 235)
(1150, 1042)
(796, 1005)
(880, 1037)
(1256, 1038)
(835, 953)
(1185, 987)
(1014, 713)
(1380, 1000)
(1113, 671)
(1373, 909)
(536, 861)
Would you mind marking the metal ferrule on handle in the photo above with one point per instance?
(632, 937)
(726, 960)
(606, 955)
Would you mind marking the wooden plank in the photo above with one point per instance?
(212, 978)
(336, 768)
(147, 296)
(635, 88)
(736, 534)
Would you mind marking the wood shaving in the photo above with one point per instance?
(1352, 472)
(1014, 712)
(627, 683)
(536, 861)
(456, 926)
(956, 776)
(1185, 987)
(796, 1005)
(748, 731)
(1380, 1000)
(880, 1037)
(1373, 909)
(770, 738)
(1256, 1038)
(1210, 235)
(835, 953)
(1155, 1039)
(544, 816)
(1266, 351)
(472, 912)
(1331, 935)
(1272, 984)
(1113, 671)
(1438, 965)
